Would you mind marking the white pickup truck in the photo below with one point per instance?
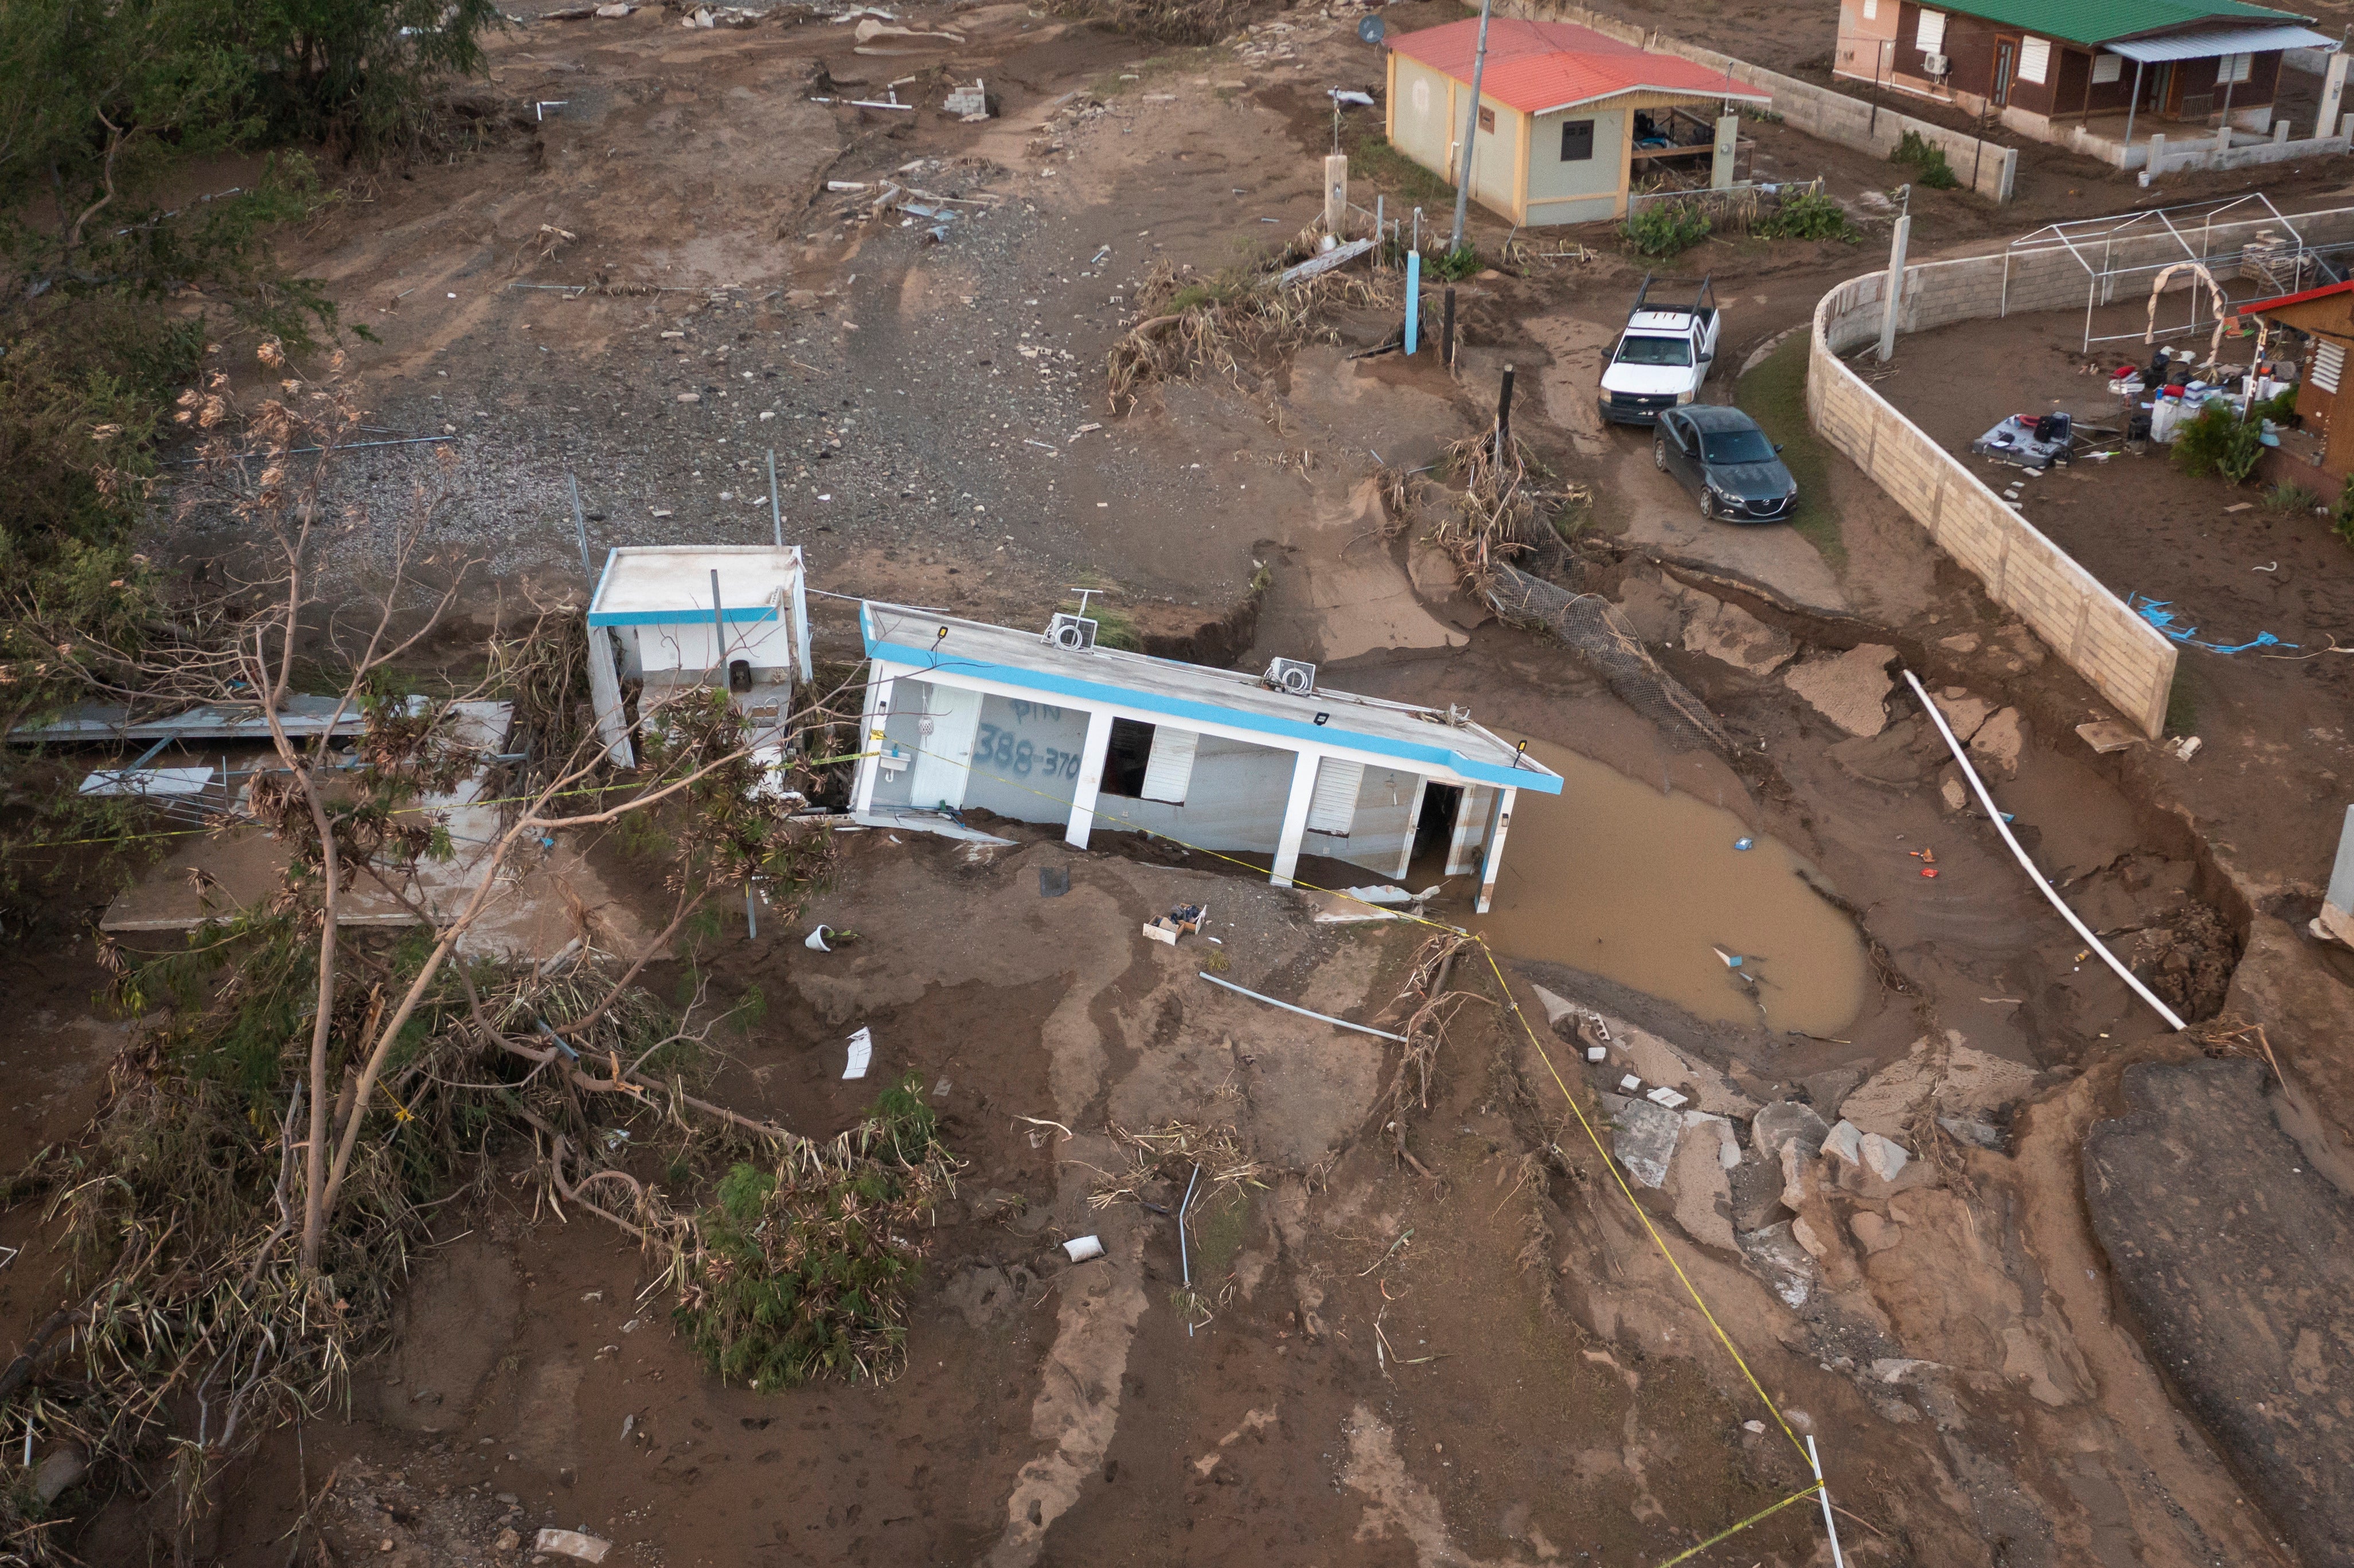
(1662, 358)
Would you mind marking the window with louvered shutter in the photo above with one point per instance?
(1333, 807)
(1171, 767)
(2328, 365)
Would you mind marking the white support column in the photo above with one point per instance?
(1894, 288)
(1462, 840)
(605, 700)
(1092, 752)
(1497, 827)
(1412, 825)
(2333, 94)
(871, 741)
(1295, 818)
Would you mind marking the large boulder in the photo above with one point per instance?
(1780, 1122)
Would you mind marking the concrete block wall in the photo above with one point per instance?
(1985, 167)
(2124, 658)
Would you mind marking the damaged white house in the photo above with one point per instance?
(1051, 729)
(675, 617)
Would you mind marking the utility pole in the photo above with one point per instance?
(1471, 131)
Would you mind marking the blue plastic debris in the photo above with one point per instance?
(2160, 614)
(1745, 844)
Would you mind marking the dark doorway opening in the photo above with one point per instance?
(1436, 825)
(1126, 759)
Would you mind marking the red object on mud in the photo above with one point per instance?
(1928, 871)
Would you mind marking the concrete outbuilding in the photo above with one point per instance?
(963, 716)
(679, 617)
(1570, 120)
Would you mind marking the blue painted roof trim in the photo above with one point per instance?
(679, 617)
(1178, 707)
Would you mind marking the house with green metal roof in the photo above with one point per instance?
(2090, 72)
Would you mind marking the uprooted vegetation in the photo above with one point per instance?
(1509, 505)
(1233, 322)
(304, 1094)
(802, 1267)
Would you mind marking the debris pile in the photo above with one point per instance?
(1228, 323)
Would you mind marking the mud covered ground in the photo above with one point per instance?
(1492, 1362)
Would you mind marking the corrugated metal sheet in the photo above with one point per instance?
(2220, 42)
(1539, 67)
(2099, 21)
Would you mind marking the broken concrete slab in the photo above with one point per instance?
(1963, 712)
(2106, 735)
(1701, 1186)
(1645, 1140)
(1850, 690)
(1782, 1122)
(1999, 741)
(1827, 1088)
(1883, 1158)
(1731, 635)
(1952, 790)
(1844, 1144)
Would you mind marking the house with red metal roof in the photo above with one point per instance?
(1568, 120)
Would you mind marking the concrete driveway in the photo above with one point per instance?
(1661, 514)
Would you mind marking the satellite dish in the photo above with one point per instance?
(1372, 29)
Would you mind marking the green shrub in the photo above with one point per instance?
(2280, 408)
(2219, 442)
(1457, 263)
(802, 1269)
(1928, 161)
(2341, 515)
(2290, 498)
(1665, 229)
(1809, 215)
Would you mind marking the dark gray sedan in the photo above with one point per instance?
(1719, 455)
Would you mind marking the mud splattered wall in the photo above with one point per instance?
(1026, 765)
(2124, 658)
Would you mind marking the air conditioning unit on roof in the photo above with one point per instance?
(1073, 633)
(1291, 675)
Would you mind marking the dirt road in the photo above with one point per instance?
(1490, 1356)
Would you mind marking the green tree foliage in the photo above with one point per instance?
(120, 265)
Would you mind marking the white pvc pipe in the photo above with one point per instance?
(1994, 816)
(1320, 1017)
(1838, 1559)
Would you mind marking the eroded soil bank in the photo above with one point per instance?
(1479, 1356)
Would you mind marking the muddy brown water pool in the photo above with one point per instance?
(1620, 879)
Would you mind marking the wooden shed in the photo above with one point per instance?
(1569, 120)
(2326, 315)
